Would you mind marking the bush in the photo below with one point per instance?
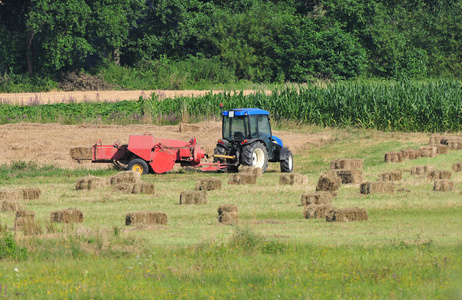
(10, 249)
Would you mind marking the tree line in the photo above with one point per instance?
(255, 40)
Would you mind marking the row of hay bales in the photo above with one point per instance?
(125, 182)
(319, 204)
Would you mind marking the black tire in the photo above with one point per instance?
(255, 155)
(287, 165)
(222, 151)
(138, 165)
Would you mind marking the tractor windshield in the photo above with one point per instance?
(235, 128)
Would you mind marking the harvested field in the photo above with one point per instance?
(32, 142)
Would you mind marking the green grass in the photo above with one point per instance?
(410, 248)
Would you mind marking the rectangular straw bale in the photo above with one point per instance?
(436, 139)
(454, 143)
(124, 187)
(411, 154)
(24, 219)
(31, 194)
(395, 175)
(91, 182)
(229, 218)
(208, 184)
(242, 179)
(439, 175)
(292, 178)
(252, 170)
(316, 211)
(393, 156)
(126, 176)
(421, 170)
(11, 194)
(193, 197)
(316, 198)
(350, 176)
(457, 167)
(429, 151)
(443, 186)
(227, 208)
(142, 188)
(184, 127)
(350, 164)
(329, 181)
(68, 215)
(81, 153)
(377, 187)
(10, 205)
(347, 215)
(442, 149)
(146, 218)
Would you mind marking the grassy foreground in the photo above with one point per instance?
(411, 247)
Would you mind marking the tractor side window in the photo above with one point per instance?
(263, 126)
(253, 127)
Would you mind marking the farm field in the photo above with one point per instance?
(411, 246)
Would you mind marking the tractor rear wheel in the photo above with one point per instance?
(255, 155)
(138, 165)
(287, 165)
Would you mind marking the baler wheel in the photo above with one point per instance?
(138, 165)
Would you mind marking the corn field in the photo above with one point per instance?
(425, 106)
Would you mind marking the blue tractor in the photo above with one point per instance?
(247, 140)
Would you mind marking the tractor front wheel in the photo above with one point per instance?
(138, 165)
(255, 155)
(287, 165)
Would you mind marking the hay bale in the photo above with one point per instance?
(454, 143)
(377, 187)
(393, 156)
(292, 178)
(347, 215)
(350, 176)
(396, 175)
(145, 188)
(193, 197)
(91, 183)
(11, 194)
(125, 177)
(146, 218)
(184, 127)
(81, 153)
(24, 220)
(123, 187)
(350, 164)
(457, 167)
(316, 211)
(316, 198)
(208, 184)
(429, 151)
(240, 178)
(443, 186)
(31, 194)
(442, 149)
(436, 139)
(68, 215)
(439, 175)
(328, 181)
(421, 170)
(227, 208)
(411, 154)
(258, 172)
(229, 218)
(10, 205)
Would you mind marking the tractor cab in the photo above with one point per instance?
(247, 140)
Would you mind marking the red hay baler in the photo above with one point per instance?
(144, 153)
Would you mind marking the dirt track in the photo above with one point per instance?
(49, 144)
(99, 96)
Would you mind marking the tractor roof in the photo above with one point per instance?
(246, 111)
